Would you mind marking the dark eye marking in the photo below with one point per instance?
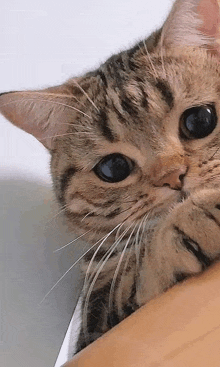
(198, 122)
(129, 107)
(166, 92)
(103, 125)
(64, 181)
(114, 168)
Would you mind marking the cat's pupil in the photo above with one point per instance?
(198, 122)
(113, 168)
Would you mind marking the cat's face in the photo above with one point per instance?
(137, 152)
(126, 140)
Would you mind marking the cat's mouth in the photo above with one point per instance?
(174, 196)
(184, 195)
(168, 199)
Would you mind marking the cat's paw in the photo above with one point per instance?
(199, 219)
(188, 239)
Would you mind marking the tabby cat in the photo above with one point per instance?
(135, 160)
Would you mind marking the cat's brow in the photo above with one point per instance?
(103, 125)
(128, 107)
(166, 92)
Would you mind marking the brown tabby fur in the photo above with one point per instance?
(162, 223)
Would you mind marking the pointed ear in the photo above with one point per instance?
(193, 23)
(44, 114)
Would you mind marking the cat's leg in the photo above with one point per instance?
(184, 243)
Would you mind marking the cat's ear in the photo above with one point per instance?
(44, 114)
(193, 23)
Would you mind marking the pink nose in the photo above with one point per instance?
(174, 179)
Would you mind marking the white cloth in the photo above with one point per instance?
(69, 344)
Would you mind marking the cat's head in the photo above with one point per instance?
(135, 136)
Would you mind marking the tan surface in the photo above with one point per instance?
(181, 328)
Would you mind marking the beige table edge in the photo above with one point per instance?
(179, 328)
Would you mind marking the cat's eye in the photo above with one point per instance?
(114, 168)
(198, 122)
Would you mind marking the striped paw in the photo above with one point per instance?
(194, 227)
(184, 243)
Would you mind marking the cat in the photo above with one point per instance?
(135, 161)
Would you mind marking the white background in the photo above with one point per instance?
(43, 43)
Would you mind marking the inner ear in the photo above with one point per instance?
(209, 13)
(44, 114)
(192, 23)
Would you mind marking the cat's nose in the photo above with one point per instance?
(174, 179)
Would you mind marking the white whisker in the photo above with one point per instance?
(111, 250)
(56, 215)
(87, 96)
(68, 244)
(87, 215)
(115, 244)
(67, 134)
(75, 126)
(137, 246)
(150, 59)
(94, 255)
(162, 61)
(139, 243)
(161, 52)
(71, 267)
(118, 267)
(117, 237)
